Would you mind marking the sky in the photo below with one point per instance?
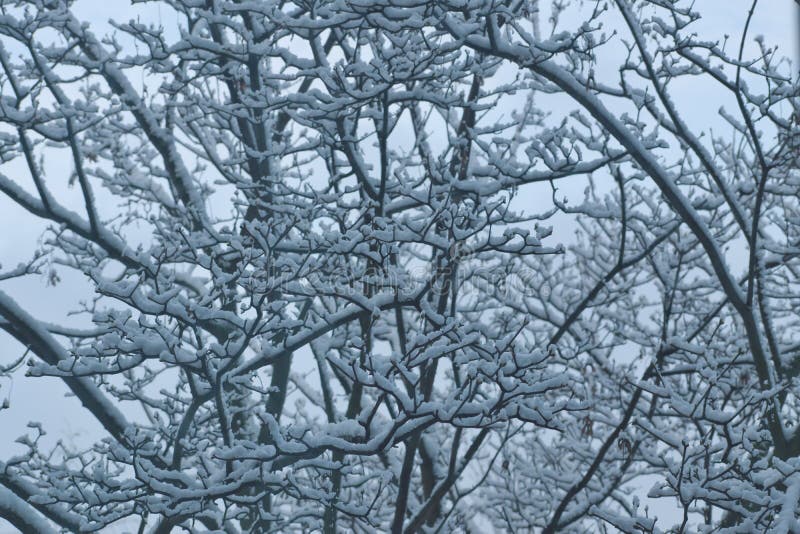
(43, 399)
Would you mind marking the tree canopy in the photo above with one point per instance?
(407, 266)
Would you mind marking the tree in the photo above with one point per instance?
(327, 296)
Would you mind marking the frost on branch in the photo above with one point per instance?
(405, 266)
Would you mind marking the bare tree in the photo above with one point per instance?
(328, 296)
